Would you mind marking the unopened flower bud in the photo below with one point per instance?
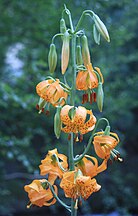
(85, 50)
(62, 26)
(52, 58)
(96, 35)
(65, 52)
(100, 96)
(101, 27)
(79, 55)
(57, 122)
(107, 131)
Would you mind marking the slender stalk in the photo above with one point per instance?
(72, 102)
(81, 18)
(71, 153)
(90, 140)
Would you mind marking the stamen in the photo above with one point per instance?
(80, 201)
(69, 136)
(94, 96)
(110, 161)
(83, 99)
(37, 106)
(91, 98)
(41, 110)
(29, 205)
(120, 159)
(116, 152)
(116, 155)
(81, 137)
(47, 112)
(77, 139)
(86, 98)
(76, 204)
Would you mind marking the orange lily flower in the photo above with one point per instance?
(77, 123)
(89, 167)
(87, 81)
(76, 185)
(51, 167)
(104, 145)
(38, 195)
(51, 91)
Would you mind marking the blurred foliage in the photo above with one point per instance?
(26, 29)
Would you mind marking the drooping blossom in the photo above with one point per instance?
(77, 185)
(104, 145)
(52, 91)
(89, 166)
(88, 81)
(51, 166)
(74, 119)
(38, 195)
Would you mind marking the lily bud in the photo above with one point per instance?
(52, 58)
(79, 55)
(101, 27)
(96, 35)
(57, 122)
(65, 52)
(107, 131)
(85, 50)
(100, 96)
(62, 26)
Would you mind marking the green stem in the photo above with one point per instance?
(56, 35)
(78, 158)
(57, 198)
(81, 18)
(71, 153)
(72, 103)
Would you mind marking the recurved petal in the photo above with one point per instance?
(87, 186)
(80, 116)
(51, 200)
(89, 125)
(81, 80)
(42, 87)
(68, 185)
(102, 151)
(64, 114)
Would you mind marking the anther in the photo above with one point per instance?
(94, 96)
(81, 137)
(69, 136)
(47, 112)
(37, 106)
(91, 98)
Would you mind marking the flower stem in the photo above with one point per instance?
(82, 17)
(72, 103)
(78, 158)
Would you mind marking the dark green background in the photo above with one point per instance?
(26, 29)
